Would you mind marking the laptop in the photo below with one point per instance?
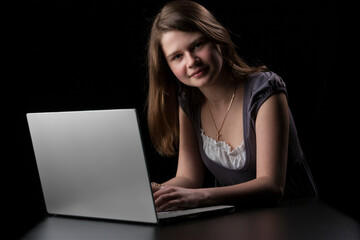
(92, 164)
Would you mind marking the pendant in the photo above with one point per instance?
(218, 135)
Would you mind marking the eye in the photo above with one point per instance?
(197, 45)
(177, 56)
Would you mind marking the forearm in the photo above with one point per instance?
(260, 190)
(180, 181)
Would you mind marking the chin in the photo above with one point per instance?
(198, 84)
(205, 82)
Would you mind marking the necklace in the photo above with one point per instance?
(218, 130)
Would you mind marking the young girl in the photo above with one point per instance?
(206, 104)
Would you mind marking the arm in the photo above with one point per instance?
(272, 133)
(190, 170)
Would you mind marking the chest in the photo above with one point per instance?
(224, 126)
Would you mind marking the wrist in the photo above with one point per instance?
(206, 198)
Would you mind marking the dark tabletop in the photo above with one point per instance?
(298, 219)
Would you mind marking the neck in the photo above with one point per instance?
(219, 94)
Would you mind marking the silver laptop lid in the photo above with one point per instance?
(91, 164)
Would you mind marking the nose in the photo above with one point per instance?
(192, 60)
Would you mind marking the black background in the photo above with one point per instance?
(81, 55)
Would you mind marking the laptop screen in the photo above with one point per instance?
(92, 164)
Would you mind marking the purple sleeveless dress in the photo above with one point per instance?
(258, 87)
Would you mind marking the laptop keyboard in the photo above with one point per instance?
(166, 213)
(193, 211)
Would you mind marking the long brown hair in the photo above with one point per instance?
(162, 103)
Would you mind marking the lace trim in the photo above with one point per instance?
(221, 153)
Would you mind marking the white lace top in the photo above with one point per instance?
(221, 153)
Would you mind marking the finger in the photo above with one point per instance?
(167, 200)
(169, 206)
(162, 196)
(156, 187)
(162, 190)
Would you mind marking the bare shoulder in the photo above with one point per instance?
(276, 106)
(272, 121)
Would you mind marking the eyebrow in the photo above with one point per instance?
(199, 39)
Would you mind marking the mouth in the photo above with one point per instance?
(199, 72)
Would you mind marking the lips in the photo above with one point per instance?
(198, 72)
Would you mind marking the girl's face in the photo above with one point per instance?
(193, 59)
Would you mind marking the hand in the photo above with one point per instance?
(173, 198)
(156, 186)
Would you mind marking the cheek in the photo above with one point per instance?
(212, 56)
(178, 71)
(216, 59)
(219, 61)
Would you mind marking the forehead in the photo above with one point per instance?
(173, 41)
